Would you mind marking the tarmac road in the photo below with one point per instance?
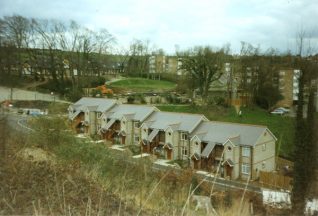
(19, 94)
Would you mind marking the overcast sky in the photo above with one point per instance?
(186, 23)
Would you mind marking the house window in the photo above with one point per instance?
(169, 133)
(184, 151)
(246, 169)
(246, 152)
(99, 115)
(136, 138)
(196, 143)
(184, 136)
(264, 147)
(136, 124)
(229, 148)
(145, 130)
(124, 122)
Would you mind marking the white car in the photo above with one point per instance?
(285, 110)
(277, 112)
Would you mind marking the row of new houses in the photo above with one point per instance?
(239, 150)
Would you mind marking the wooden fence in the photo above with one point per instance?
(281, 163)
(275, 180)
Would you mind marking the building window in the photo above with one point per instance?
(264, 147)
(184, 151)
(145, 130)
(136, 124)
(136, 138)
(124, 122)
(169, 133)
(99, 115)
(246, 152)
(246, 169)
(229, 148)
(196, 143)
(184, 136)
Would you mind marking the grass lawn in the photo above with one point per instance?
(281, 126)
(142, 85)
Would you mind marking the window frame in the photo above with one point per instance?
(184, 151)
(246, 168)
(136, 136)
(136, 123)
(184, 136)
(244, 151)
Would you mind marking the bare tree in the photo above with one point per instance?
(204, 65)
(17, 28)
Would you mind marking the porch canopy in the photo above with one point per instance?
(168, 145)
(228, 162)
(208, 149)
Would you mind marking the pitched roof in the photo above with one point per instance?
(178, 121)
(99, 104)
(135, 112)
(220, 132)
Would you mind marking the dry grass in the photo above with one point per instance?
(85, 178)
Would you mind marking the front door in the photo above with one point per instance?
(123, 138)
(196, 164)
(228, 171)
(169, 154)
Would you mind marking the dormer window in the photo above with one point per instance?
(169, 133)
(229, 148)
(196, 143)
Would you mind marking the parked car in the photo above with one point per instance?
(280, 111)
(277, 112)
(285, 110)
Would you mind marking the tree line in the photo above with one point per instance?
(51, 47)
